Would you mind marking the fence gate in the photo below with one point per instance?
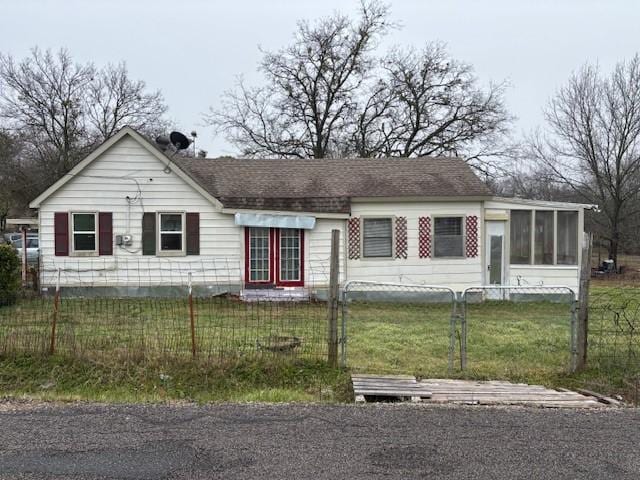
(398, 328)
(518, 331)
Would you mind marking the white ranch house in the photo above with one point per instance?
(130, 215)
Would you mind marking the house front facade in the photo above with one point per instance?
(132, 216)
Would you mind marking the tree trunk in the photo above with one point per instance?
(613, 251)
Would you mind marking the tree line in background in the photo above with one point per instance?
(330, 93)
(54, 111)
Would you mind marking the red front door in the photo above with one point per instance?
(274, 256)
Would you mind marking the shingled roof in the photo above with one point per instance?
(327, 185)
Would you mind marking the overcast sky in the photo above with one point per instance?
(193, 49)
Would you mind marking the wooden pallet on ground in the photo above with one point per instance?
(388, 388)
(402, 387)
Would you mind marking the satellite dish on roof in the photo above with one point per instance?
(179, 140)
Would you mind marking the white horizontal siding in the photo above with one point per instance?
(453, 272)
(544, 275)
(318, 248)
(104, 186)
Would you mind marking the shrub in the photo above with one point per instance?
(9, 275)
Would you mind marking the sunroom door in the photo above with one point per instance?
(495, 257)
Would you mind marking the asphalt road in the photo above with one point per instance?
(333, 442)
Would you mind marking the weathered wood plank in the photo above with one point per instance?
(393, 377)
(472, 392)
(599, 397)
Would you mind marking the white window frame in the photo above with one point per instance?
(171, 253)
(392, 219)
(463, 225)
(73, 232)
(532, 239)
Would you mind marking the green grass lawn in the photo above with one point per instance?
(140, 349)
(515, 341)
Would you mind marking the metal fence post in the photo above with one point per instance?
(574, 336)
(191, 318)
(54, 321)
(463, 332)
(452, 332)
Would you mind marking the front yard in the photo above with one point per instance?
(141, 349)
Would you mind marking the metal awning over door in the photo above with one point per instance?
(274, 221)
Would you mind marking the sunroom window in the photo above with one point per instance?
(84, 232)
(520, 237)
(567, 238)
(553, 239)
(543, 244)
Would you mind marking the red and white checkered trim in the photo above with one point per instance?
(354, 238)
(424, 237)
(472, 236)
(401, 237)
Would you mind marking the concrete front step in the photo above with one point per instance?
(274, 294)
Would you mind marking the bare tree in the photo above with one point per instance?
(592, 143)
(430, 104)
(60, 110)
(310, 88)
(13, 180)
(43, 96)
(114, 100)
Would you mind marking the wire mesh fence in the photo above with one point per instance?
(163, 310)
(518, 332)
(151, 308)
(614, 330)
(393, 328)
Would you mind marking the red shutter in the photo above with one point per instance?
(105, 233)
(401, 237)
(193, 233)
(148, 233)
(472, 236)
(61, 233)
(424, 237)
(353, 227)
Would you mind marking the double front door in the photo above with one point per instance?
(274, 256)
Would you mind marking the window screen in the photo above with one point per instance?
(543, 243)
(520, 237)
(377, 238)
(567, 238)
(448, 239)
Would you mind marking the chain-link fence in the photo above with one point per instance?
(518, 332)
(498, 332)
(391, 327)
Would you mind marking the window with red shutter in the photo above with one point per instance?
(193, 233)
(61, 233)
(105, 233)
